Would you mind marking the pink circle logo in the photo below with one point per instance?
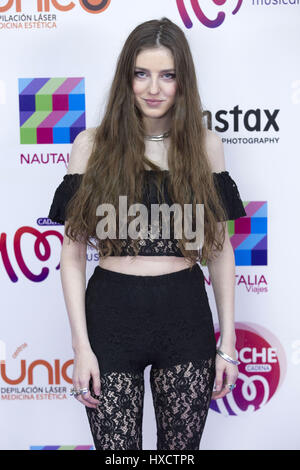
(201, 16)
(262, 370)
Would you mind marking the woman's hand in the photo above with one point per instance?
(86, 366)
(224, 367)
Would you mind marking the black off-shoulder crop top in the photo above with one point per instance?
(225, 185)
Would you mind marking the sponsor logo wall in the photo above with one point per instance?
(60, 60)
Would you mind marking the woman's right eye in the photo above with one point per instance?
(136, 73)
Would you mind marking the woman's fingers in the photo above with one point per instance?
(222, 384)
(221, 391)
(96, 382)
(85, 398)
(221, 394)
(219, 376)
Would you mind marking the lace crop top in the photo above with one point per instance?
(226, 187)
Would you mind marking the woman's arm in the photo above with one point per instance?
(73, 255)
(222, 275)
(222, 268)
(73, 280)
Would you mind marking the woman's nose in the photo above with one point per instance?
(154, 86)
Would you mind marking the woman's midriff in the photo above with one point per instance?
(144, 265)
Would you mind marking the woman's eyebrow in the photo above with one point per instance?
(146, 70)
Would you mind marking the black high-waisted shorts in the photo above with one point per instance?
(134, 320)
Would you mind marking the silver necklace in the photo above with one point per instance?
(158, 137)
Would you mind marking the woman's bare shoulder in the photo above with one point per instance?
(81, 150)
(215, 151)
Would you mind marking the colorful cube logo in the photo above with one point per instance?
(248, 235)
(78, 447)
(52, 110)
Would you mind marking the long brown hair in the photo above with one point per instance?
(116, 165)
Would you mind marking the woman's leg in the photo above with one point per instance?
(183, 370)
(116, 423)
(115, 322)
(181, 398)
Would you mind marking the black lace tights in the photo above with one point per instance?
(181, 397)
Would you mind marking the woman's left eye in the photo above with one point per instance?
(173, 75)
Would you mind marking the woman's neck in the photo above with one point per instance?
(156, 126)
(157, 152)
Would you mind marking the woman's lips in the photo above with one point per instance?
(153, 102)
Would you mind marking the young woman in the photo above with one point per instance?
(146, 301)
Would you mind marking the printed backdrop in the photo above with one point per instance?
(58, 59)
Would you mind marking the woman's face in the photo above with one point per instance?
(154, 79)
